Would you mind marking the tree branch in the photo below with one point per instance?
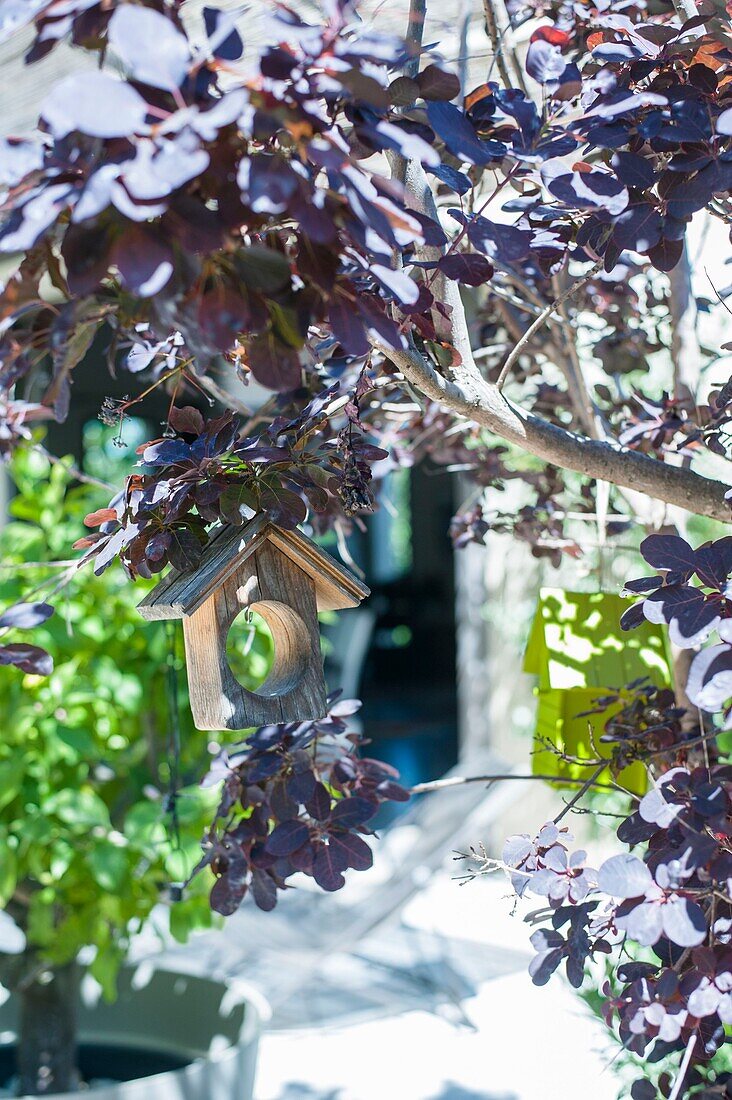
(482, 403)
(500, 32)
(414, 35)
(685, 350)
(465, 392)
(540, 321)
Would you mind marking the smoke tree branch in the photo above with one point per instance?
(464, 391)
(482, 403)
(500, 32)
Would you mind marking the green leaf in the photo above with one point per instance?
(8, 872)
(109, 864)
(11, 779)
(83, 809)
(105, 968)
(143, 824)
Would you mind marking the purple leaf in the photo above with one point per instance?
(470, 269)
(642, 584)
(437, 83)
(185, 549)
(639, 228)
(287, 837)
(458, 133)
(328, 867)
(683, 921)
(458, 181)
(144, 261)
(267, 182)
(669, 552)
(544, 61)
(691, 618)
(643, 923)
(543, 965)
(398, 283)
(24, 616)
(166, 453)
(264, 891)
(655, 807)
(624, 876)
(149, 46)
(709, 685)
(318, 804)
(587, 189)
(301, 787)
(352, 811)
(186, 419)
(713, 562)
(223, 38)
(96, 104)
(348, 328)
(516, 850)
(28, 658)
(223, 314)
(633, 617)
(724, 123)
(666, 254)
(273, 365)
(634, 171)
(28, 222)
(227, 895)
(392, 791)
(354, 850)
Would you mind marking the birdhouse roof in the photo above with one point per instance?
(576, 642)
(182, 593)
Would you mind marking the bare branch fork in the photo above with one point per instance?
(540, 321)
(481, 402)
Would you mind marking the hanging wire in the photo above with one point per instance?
(171, 799)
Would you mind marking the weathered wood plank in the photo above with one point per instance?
(336, 587)
(284, 595)
(181, 594)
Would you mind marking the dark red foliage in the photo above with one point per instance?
(194, 221)
(296, 798)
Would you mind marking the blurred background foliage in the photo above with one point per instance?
(90, 835)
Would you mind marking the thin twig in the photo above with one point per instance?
(22, 566)
(582, 791)
(540, 320)
(500, 32)
(679, 1082)
(228, 400)
(74, 471)
(459, 780)
(572, 370)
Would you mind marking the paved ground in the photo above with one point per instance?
(496, 1038)
(407, 985)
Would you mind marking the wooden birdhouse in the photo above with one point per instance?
(285, 578)
(579, 653)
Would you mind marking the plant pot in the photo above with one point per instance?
(175, 1037)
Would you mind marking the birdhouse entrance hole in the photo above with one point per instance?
(284, 663)
(256, 569)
